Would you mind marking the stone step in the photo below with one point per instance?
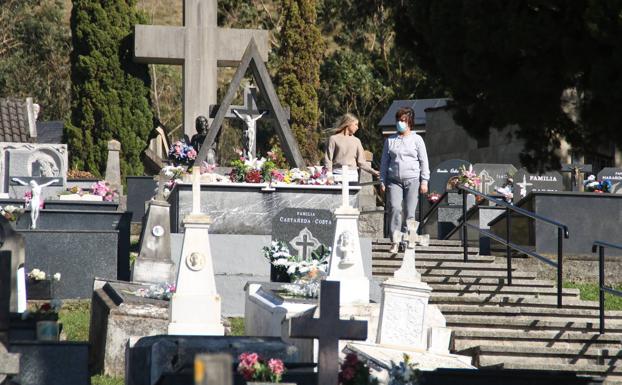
(474, 258)
(526, 323)
(526, 311)
(611, 375)
(445, 265)
(549, 302)
(462, 290)
(429, 249)
(602, 360)
(444, 272)
(484, 281)
(434, 242)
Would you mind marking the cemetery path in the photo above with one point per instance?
(514, 326)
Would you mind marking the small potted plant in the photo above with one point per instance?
(257, 371)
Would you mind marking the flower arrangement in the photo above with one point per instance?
(104, 190)
(11, 213)
(355, 372)
(40, 275)
(174, 174)
(253, 368)
(163, 291)
(251, 170)
(182, 153)
(466, 178)
(44, 311)
(79, 174)
(404, 373)
(593, 185)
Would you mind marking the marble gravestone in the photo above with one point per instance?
(492, 175)
(200, 46)
(615, 176)
(304, 230)
(442, 172)
(524, 183)
(29, 161)
(346, 260)
(195, 308)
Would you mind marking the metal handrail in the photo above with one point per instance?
(600, 246)
(562, 232)
(423, 219)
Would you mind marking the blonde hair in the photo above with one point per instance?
(345, 121)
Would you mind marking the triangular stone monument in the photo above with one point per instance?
(253, 60)
(195, 306)
(346, 260)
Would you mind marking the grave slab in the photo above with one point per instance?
(52, 363)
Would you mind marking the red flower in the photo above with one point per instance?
(253, 176)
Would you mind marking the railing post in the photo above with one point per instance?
(508, 251)
(420, 213)
(560, 251)
(601, 284)
(465, 240)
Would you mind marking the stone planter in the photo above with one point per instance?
(48, 330)
(78, 197)
(39, 289)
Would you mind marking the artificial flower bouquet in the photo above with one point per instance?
(404, 373)
(355, 372)
(467, 178)
(104, 190)
(11, 213)
(39, 284)
(254, 368)
(162, 291)
(182, 153)
(433, 197)
(597, 186)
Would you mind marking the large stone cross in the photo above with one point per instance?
(575, 170)
(328, 329)
(200, 47)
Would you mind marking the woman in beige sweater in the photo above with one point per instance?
(345, 149)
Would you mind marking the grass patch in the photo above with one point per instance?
(237, 326)
(75, 317)
(105, 380)
(589, 292)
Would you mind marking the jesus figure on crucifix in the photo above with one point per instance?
(250, 134)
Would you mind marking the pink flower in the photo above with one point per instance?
(276, 366)
(191, 153)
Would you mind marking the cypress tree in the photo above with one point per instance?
(298, 75)
(110, 93)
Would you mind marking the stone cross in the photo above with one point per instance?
(305, 243)
(408, 272)
(9, 363)
(213, 369)
(162, 179)
(200, 47)
(575, 170)
(345, 192)
(328, 329)
(523, 187)
(196, 190)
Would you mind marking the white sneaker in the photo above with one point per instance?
(394, 248)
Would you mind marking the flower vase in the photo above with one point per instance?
(39, 289)
(47, 330)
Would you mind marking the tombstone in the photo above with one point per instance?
(615, 176)
(14, 243)
(492, 175)
(442, 172)
(9, 362)
(304, 229)
(577, 174)
(196, 307)
(38, 162)
(328, 329)
(404, 315)
(113, 166)
(524, 183)
(200, 46)
(346, 261)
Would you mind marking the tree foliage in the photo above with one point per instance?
(552, 67)
(110, 92)
(298, 77)
(34, 54)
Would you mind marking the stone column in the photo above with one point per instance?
(113, 166)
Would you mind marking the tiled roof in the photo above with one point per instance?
(50, 132)
(14, 121)
(419, 105)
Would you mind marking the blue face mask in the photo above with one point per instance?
(401, 127)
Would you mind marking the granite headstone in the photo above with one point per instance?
(524, 183)
(304, 230)
(615, 176)
(492, 175)
(442, 172)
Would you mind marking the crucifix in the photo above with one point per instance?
(328, 329)
(575, 170)
(9, 363)
(305, 243)
(523, 187)
(200, 47)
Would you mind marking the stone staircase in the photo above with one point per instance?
(514, 327)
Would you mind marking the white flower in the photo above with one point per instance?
(57, 277)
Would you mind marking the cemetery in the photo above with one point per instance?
(233, 256)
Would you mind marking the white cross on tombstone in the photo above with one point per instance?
(345, 187)
(523, 187)
(408, 272)
(487, 181)
(304, 243)
(200, 47)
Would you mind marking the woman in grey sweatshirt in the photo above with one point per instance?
(404, 171)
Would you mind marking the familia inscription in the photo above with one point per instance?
(524, 183)
(304, 230)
